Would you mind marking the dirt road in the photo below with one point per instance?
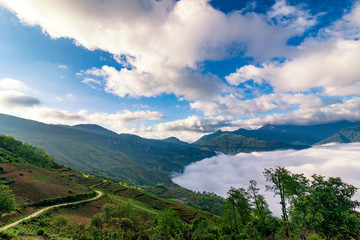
(99, 194)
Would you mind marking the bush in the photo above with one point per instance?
(41, 231)
(7, 236)
(66, 199)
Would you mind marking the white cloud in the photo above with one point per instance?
(348, 109)
(291, 16)
(243, 74)
(327, 61)
(120, 119)
(90, 81)
(219, 173)
(61, 66)
(195, 124)
(331, 66)
(10, 83)
(162, 41)
(25, 106)
(15, 99)
(231, 105)
(68, 97)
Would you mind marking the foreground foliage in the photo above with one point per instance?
(320, 208)
(316, 208)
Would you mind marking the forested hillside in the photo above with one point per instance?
(273, 137)
(230, 143)
(93, 149)
(31, 179)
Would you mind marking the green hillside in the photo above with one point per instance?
(296, 134)
(72, 148)
(168, 155)
(273, 137)
(126, 212)
(31, 180)
(347, 135)
(92, 148)
(230, 143)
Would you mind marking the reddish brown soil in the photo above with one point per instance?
(83, 213)
(33, 183)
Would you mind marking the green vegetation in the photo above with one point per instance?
(7, 199)
(346, 135)
(230, 143)
(205, 201)
(66, 199)
(95, 150)
(316, 208)
(24, 153)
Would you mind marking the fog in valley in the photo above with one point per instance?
(219, 173)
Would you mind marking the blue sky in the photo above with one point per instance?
(180, 68)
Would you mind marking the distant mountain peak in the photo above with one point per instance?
(172, 139)
(268, 127)
(94, 128)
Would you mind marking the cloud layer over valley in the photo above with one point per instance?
(219, 173)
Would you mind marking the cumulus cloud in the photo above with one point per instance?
(14, 99)
(52, 115)
(10, 83)
(219, 173)
(232, 105)
(348, 109)
(135, 83)
(327, 61)
(291, 16)
(161, 43)
(195, 124)
(120, 119)
(330, 66)
(23, 105)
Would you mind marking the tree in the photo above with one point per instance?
(239, 208)
(201, 229)
(328, 209)
(287, 186)
(258, 200)
(168, 225)
(7, 199)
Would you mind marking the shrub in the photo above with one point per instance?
(41, 231)
(71, 198)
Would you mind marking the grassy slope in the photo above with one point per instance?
(31, 184)
(187, 214)
(205, 201)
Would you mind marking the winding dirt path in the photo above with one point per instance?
(99, 194)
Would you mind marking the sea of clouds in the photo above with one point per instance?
(219, 173)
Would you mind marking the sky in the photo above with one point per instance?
(218, 174)
(161, 68)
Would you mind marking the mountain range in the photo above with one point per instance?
(94, 149)
(271, 137)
